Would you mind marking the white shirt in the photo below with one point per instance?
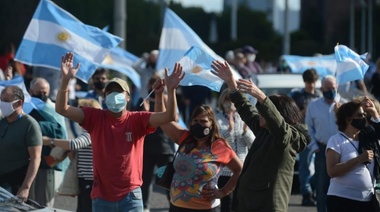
(356, 184)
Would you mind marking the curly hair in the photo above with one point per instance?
(345, 112)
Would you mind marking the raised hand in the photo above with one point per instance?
(247, 86)
(159, 87)
(175, 78)
(369, 107)
(68, 71)
(223, 71)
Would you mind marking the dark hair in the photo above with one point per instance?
(214, 127)
(15, 91)
(344, 112)
(310, 75)
(287, 108)
(100, 71)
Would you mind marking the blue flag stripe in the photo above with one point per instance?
(38, 54)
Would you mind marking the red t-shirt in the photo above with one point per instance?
(117, 146)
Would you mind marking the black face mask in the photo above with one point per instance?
(43, 97)
(359, 123)
(198, 131)
(99, 85)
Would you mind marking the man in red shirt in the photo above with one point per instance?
(117, 138)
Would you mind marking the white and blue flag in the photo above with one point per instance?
(324, 65)
(121, 60)
(178, 39)
(350, 65)
(30, 103)
(53, 32)
(197, 65)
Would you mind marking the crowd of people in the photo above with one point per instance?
(235, 155)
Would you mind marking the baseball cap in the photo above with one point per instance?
(122, 83)
(249, 49)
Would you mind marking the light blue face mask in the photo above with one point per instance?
(116, 102)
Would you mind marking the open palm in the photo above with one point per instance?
(68, 71)
(175, 78)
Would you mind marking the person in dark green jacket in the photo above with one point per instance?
(266, 179)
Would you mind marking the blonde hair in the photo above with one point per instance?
(89, 103)
(223, 96)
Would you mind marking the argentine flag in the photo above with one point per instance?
(121, 60)
(197, 65)
(176, 39)
(30, 103)
(350, 65)
(324, 65)
(53, 31)
(179, 40)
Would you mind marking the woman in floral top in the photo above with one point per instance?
(198, 165)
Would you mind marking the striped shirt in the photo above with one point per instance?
(84, 155)
(239, 141)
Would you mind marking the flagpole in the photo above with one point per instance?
(234, 20)
(120, 20)
(286, 30)
(352, 24)
(363, 26)
(370, 26)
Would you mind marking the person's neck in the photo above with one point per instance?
(352, 133)
(119, 114)
(99, 92)
(202, 143)
(309, 90)
(14, 116)
(329, 101)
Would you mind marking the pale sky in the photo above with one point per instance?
(208, 5)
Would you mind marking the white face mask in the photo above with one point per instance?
(251, 57)
(7, 108)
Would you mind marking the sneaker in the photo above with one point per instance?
(307, 200)
(146, 210)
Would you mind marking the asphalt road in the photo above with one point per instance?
(159, 203)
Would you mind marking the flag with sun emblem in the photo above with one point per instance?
(53, 31)
(197, 65)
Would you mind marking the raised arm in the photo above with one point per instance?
(61, 106)
(172, 81)
(172, 129)
(224, 71)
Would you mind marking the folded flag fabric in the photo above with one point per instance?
(324, 65)
(53, 31)
(197, 65)
(350, 65)
(121, 60)
(30, 103)
(176, 39)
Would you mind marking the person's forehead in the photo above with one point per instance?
(6, 96)
(41, 85)
(201, 116)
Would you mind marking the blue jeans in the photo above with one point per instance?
(306, 157)
(322, 179)
(132, 202)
